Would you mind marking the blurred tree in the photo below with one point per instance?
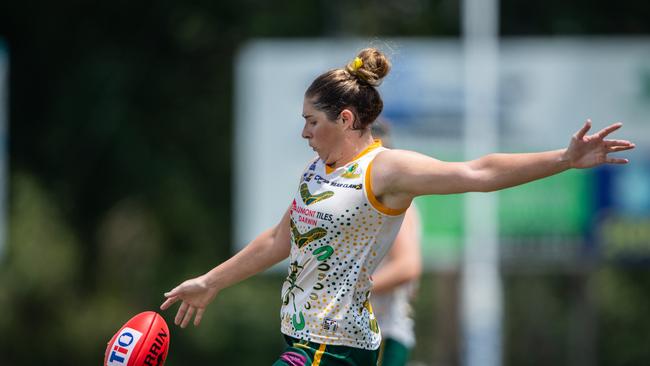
(577, 17)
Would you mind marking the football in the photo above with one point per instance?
(142, 341)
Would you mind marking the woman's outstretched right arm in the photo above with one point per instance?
(269, 248)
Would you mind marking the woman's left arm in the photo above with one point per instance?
(399, 176)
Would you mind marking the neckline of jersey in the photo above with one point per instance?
(368, 149)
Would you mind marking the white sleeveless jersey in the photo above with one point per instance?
(339, 234)
(393, 309)
(395, 315)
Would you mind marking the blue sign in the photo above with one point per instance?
(622, 226)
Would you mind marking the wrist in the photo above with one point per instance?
(565, 160)
(208, 280)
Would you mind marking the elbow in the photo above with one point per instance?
(279, 245)
(482, 177)
(417, 271)
(282, 248)
(412, 271)
(475, 178)
(484, 183)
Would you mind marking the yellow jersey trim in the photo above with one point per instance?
(374, 201)
(318, 355)
(368, 149)
(380, 358)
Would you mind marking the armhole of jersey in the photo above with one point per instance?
(373, 200)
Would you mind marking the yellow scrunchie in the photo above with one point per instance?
(357, 63)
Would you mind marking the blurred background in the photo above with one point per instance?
(123, 131)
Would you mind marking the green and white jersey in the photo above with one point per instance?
(340, 232)
(393, 309)
(395, 315)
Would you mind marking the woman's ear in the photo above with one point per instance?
(348, 118)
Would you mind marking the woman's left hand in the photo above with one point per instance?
(586, 151)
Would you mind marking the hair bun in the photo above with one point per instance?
(370, 66)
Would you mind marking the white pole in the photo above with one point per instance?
(481, 293)
(4, 178)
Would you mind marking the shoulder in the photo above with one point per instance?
(388, 167)
(388, 157)
(401, 175)
(393, 161)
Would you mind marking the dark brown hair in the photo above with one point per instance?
(352, 87)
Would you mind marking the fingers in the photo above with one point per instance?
(613, 143)
(181, 313)
(619, 148)
(185, 313)
(173, 292)
(618, 145)
(188, 317)
(198, 317)
(616, 160)
(169, 302)
(609, 129)
(583, 131)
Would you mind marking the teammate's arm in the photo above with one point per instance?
(402, 263)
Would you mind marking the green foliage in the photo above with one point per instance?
(622, 301)
(536, 319)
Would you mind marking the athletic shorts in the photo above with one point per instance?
(303, 353)
(393, 353)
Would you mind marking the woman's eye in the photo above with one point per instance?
(313, 123)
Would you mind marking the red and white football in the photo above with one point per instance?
(142, 341)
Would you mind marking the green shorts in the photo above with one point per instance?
(393, 353)
(303, 353)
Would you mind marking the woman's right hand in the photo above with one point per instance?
(195, 296)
